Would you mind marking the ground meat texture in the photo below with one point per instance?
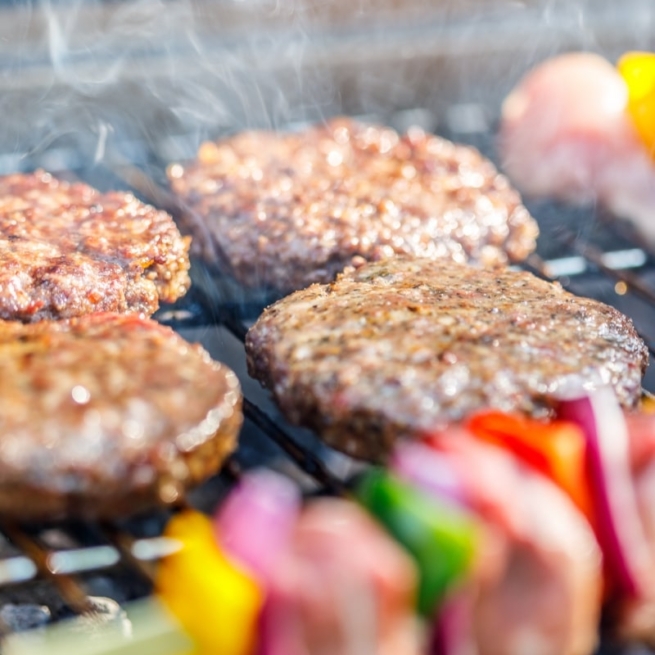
(401, 347)
(67, 250)
(107, 415)
(285, 210)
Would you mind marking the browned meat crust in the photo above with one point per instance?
(106, 415)
(67, 250)
(286, 210)
(406, 346)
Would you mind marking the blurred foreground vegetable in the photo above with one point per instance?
(618, 525)
(442, 538)
(255, 523)
(537, 546)
(342, 587)
(154, 632)
(215, 601)
(556, 449)
(638, 71)
(485, 527)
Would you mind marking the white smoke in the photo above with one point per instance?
(95, 77)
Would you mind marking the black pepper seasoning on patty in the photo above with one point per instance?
(282, 210)
(405, 346)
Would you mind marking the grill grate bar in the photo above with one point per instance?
(60, 565)
(599, 259)
(16, 569)
(537, 266)
(234, 325)
(625, 230)
(125, 545)
(200, 316)
(232, 470)
(307, 461)
(76, 560)
(68, 587)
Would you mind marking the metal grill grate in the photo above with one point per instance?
(65, 554)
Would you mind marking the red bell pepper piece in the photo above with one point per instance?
(556, 449)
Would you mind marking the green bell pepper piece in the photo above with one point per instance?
(441, 537)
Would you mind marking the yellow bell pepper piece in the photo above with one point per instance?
(638, 71)
(216, 603)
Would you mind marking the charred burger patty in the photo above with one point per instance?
(285, 210)
(106, 415)
(67, 250)
(404, 346)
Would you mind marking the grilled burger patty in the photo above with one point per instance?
(286, 210)
(405, 346)
(106, 415)
(68, 250)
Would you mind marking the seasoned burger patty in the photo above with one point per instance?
(106, 415)
(68, 250)
(405, 346)
(285, 210)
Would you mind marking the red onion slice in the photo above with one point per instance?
(428, 469)
(254, 524)
(619, 529)
(452, 632)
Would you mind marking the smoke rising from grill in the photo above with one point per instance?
(82, 79)
(97, 73)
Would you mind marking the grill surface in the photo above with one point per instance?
(61, 566)
(133, 86)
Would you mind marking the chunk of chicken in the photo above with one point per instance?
(566, 133)
(344, 588)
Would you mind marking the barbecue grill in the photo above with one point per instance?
(111, 92)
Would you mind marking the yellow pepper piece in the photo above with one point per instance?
(216, 603)
(638, 71)
(647, 405)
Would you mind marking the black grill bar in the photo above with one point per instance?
(234, 325)
(124, 543)
(309, 463)
(203, 317)
(535, 265)
(232, 470)
(70, 590)
(198, 310)
(625, 230)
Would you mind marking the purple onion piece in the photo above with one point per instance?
(430, 470)
(618, 527)
(279, 631)
(452, 632)
(254, 524)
